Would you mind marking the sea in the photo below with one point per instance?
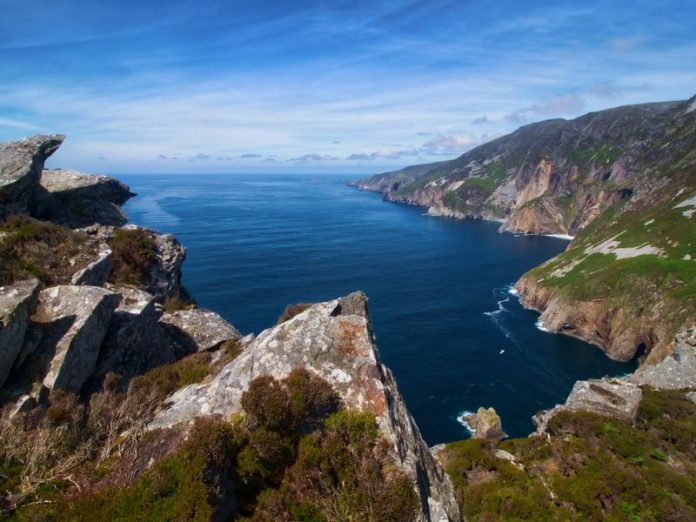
(440, 290)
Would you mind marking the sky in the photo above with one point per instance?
(322, 86)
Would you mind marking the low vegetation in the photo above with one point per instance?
(294, 455)
(133, 256)
(592, 468)
(33, 248)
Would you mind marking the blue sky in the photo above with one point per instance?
(322, 86)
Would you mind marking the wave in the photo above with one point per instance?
(540, 326)
(500, 309)
(460, 420)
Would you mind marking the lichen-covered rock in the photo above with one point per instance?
(97, 272)
(17, 303)
(675, 372)
(197, 330)
(165, 277)
(21, 163)
(73, 321)
(75, 199)
(610, 397)
(132, 344)
(485, 424)
(335, 341)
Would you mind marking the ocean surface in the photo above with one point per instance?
(439, 289)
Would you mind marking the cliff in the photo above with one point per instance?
(551, 177)
(623, 182)
(106, 360)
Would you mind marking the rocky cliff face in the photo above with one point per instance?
(623, 181)
(335, 341)
(554, 176)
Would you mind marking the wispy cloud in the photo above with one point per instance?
(228, 87)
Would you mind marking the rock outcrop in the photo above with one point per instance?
(676, 371)
(610, 397)
(17, 303)
(97, 272)
(75, 199)
(335, 341)
(485, 424)
(132, 344)
(72, 322)
(164, 280)
(21, 163)
(196, 330)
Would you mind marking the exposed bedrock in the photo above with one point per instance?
(17, 303)
(21, 163)
(75, 199)
(334, 340)
(620, 334)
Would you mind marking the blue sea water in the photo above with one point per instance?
(446, 323)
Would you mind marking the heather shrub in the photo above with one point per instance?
(133, 256)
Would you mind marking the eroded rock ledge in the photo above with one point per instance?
(335, 341)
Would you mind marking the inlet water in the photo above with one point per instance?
(439, 290)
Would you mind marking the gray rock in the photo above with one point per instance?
(691, 396)
(610, 397)
(21, 163)
(675, 372)
(485, 424)
(17, 303)
(75, 199)
(335, 341)
(197, 330)
(97, 272)
(165, 277)
(73, 321)
(132, 344)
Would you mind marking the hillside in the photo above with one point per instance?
(622, 181)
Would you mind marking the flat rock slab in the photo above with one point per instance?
(73, 321)
(76, 199)
(609, 397)
(198, 330)
(17, 304)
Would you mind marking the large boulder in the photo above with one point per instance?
(72, 321)
(485, 424)
(75, 199)
(132, 344)
(197, 330)
(21, 163)
(616, 398)
(17, 303)
(335, 341)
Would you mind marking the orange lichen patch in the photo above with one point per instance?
(352, 340)
(376, 399)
